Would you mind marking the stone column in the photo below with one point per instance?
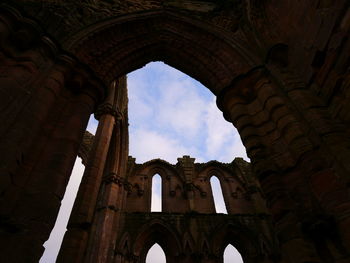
(47, 99)
(110, 201)
(47, 179)
(328, 167)
(79, 225)
(276, 139)
(187, 165)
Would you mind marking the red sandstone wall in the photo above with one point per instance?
(192, 192)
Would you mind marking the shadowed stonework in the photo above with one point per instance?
(280, 72)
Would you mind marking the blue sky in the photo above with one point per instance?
(179, 115)
(170, 115)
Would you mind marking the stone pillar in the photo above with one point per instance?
(79, 225)
(328, 168)
(47, 99)
(276, 140)
(187, 165)
(103, 234)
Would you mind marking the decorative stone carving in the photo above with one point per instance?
(114, 178)
(106, 108)
(85, 147)
(75, 15)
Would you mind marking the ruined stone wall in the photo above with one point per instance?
(280, 70)
(186, 186)
(193, 237)
(46, 99)
(188, 227)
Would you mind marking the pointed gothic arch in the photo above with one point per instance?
(241, 238)
(155, 252)
(162, 43)
(291, 118)
(231, 253)
(157, 232)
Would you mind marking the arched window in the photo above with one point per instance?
(231, 255)
(155, 255)
(156, 200)
(219, 202)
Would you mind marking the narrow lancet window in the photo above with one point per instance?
(155, 255)
(219, 202)
(231, 255)
(156, 200)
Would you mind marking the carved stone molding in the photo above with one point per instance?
(85, 147)
(75, 15)
(114, 178)
(25, 34)
(107, 108)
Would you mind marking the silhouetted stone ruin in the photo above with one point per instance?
(281, 73)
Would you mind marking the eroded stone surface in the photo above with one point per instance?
(280, 70)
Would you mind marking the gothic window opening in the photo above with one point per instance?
(231, 255)
(172, 114)
(218, 196)
(156, 254)
(156, 200)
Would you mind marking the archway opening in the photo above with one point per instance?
(220, 206)
(172, 114)
(231, 255)
(156, 254)
(156, 199)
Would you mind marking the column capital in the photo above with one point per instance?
(107, 108)
(116, 100)
(114, 178)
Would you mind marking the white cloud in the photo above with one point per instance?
(146, 145)
(223, 141)
(235, 148)
(182, 109)
(141, 98)
(182, 114)
(168, 98)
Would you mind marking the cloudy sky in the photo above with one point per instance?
(170, 115)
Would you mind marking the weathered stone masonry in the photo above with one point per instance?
(279, 70)
(188, 227)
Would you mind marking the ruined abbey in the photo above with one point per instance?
(280, 70)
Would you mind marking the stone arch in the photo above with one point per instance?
(157, 232)
(219, 171)
(173, 184)
(230, 252)
(232, 169)
(159, 166)
(124, 247)
(188, 243)
(205, 249)
(284, 147)
(121, 43)
(242, 238)
(236, 193)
